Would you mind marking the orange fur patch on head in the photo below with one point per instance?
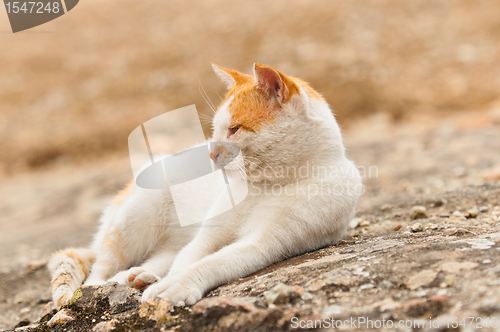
(251, 107)
(311, 93)
(122, 195)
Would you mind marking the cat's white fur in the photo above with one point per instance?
(141, 237)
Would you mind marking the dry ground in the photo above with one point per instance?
(446, 165)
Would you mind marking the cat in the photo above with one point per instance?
(303, 192)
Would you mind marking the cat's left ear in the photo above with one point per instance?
(270, 81)
(274, 83)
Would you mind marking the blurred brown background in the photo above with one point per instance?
(74, 88)
(414, 84)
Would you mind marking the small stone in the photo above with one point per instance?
(444, 215)
(484, 209)
(63, 316)
(422, 278)
(458, 214)
(386, 284)
(461, 232)
(397, 227)
(449, 280)
(366, 286)
(306, 296)
(282, 294)
(433, 226)
(487, 261)
(460, 171)
(23, 323)
(155, 309)
(439, 298)
(418, 212)
(439, 202)
(107, 326)
(364, 223)
(454, 267)
(417, 227)
(355, 222)
(386, 207)
(473, 213)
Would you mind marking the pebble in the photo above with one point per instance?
(366, 286)
(364, 223)
(418, 212)
(61, 317)
(355, 222)
(433, 226)
(282, 294)
(397, 227)
(386, 207)
(473, 213)
(487, 261)
(154, 309)
(449, 280)
(455, 267)
(422, 278)
(460, 171)
(386, 284)
(105, 326)
(458, 214)
(444, 215)
(484, 209)
(417, 227)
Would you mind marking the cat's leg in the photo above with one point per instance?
(111, 258)
(305, 217)
(149, 272)
(130, 231)
(229, 263)
(208, 240)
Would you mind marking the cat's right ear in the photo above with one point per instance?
(228, 76)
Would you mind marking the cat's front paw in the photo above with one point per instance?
(180, 292)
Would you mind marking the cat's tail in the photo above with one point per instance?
(69, 268)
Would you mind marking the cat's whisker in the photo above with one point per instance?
(206, 97)
(218, 94)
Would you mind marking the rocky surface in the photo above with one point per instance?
(425, 243)
(450, 268)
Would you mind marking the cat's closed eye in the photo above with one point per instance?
(233, 130)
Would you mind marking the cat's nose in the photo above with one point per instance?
(214, 157)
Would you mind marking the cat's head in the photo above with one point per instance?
(277, 121)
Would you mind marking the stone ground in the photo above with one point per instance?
(425, 244)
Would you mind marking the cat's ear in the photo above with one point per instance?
(270, 81)
(228, 76)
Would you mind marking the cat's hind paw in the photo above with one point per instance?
(141, 280)
(136, 277)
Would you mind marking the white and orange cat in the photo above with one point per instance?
(280, 123)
